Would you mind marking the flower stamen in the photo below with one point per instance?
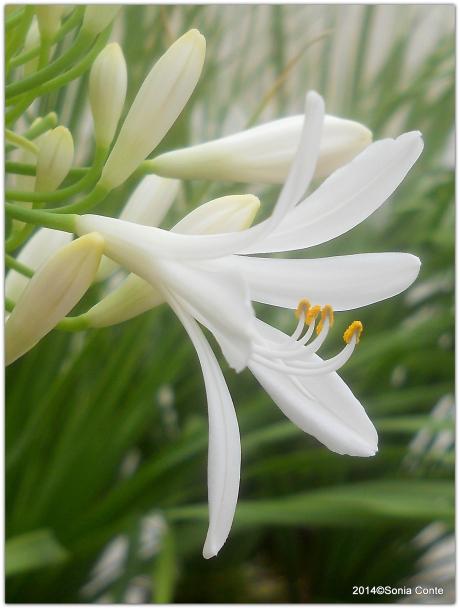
(354, 329)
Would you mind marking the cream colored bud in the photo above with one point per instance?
(54, 159)
(32, 40)
(158, 103)
(44, 243)
(264, 153)
(107, 91)
(49, 19)
(98, 17)
(52, 292)
(135, 296)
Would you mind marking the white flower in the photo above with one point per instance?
(49, 19)
(206, 279)
(52, 292)
(158, 103)
(264, 153)
(108, 80)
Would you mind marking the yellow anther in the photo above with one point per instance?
(354, 328)
(313, 314)
(302, 307)
(326, 311)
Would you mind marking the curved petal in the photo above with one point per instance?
(306, 156)
(347, 197)
(226, 308)
(322, 406)
(344, 282)
(224, 451)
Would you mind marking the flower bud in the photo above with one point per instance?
(54, 159)
(148, 204)
(98, 17)
(32, 40)
(135, 296)
(107, 91)
(44, 243)
(51, 293)
(158, 103)
(264, 153)
(49, 19)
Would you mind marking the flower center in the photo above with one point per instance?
(295, 354)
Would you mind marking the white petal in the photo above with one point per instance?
(215, 294)
(264, 153)
(224, 452)
(344, 282)
(332, 414)
(303, 166)
(148, 204)
(347, 197)
(44, 243)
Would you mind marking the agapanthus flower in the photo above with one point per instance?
(208, 279)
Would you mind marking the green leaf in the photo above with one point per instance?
(31, 551)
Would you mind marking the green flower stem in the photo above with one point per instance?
(87, 180)
(17, 40)
(27, 169)
(68, 324)
(18, 237)
(65, 222)
(91, 200)
(70, 23)
(73, 73)
(20, 141)
(82, 42)
(12, 263)
(12, 116)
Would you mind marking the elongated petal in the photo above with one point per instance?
(347, 197)
(224, 452)
(159, 102)
(148, 204)
(322, 406)
(44, 243)
(226, 310)
(135, 295)
(303, 166)
(52, 292)
(264, 153)
(344, 282)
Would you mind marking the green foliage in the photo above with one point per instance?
(107, 428)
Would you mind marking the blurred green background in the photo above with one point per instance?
(106, 431)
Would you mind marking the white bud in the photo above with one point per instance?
(135, 296)
(49, 19)
(98, 16)
(44, 243)
(54, 160)
(148, 204)
(52, 292)
(158, 103)
(264, 153)
(107, 91)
